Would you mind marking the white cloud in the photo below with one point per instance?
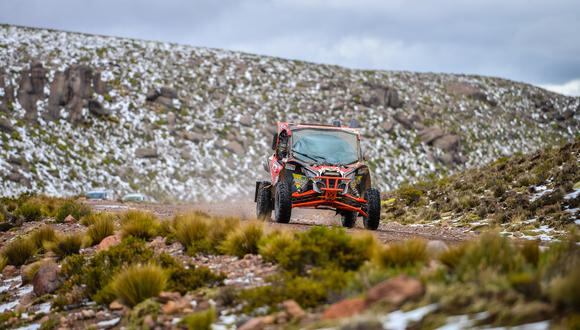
(570, 88)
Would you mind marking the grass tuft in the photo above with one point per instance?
(200, 320)
(401, 254)
(67, 245)
(3, 262)
(19, 251)
(30, 210)
(138, 282)
(90, 219)
(71, 207)
(101, 228)
(44, 234)
(244, 240)
(139, 224)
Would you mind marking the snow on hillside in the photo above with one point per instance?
(210, 138)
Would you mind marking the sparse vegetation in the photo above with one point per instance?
(66, 245)
(200, 320)
(243, 240)
(139, 282)
(401, 254)
(91, 218)
(44, 234)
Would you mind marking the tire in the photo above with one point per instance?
(373, 197)
(264, 201)
(348, 219)
(282, 203)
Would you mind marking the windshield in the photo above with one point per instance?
(328, 147)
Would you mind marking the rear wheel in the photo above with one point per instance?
(264, 201)
(348, 219)
(282, 202)
(373, 197)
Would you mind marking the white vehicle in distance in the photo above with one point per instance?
(134, 197)
(100, 194)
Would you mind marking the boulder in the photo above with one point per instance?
(152, 95)
(31, 89)
(430, 134)
(344, 308)
(246, 120)
(146, 153)
(168, 92)
(234, 147)
(388, 126)
(57, 97)
(164, 101)
(108, 241)
(6, 126)
(70, 219)
(101, 87)
(436, 247)
(377, 95)
(193, 136)
(449, 143)
(96, 108)
(293, 309)
(403, 120)
(46, 279)
(395, 291)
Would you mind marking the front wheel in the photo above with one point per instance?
(264, 201)
(282, 202)
(373, 197)
(348, 219)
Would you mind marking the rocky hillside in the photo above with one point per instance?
(176, 122)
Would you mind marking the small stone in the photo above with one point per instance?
(115, 305)
(70, 219)
(173, 307)
(88, 313)
(9, 271)
(293, 309)
(166, 296)
(344, 308)
(256, 323)
(46, 279)
(108, 241)
(395, 291)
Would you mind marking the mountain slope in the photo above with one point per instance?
(176, 122)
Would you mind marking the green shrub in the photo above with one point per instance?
(200, 320)
(19, 251)
(30, 210)
(90, 219)
(42, 235)
(73, 208)
(401, 254)
(101, 228)
(409, 194)
(138, 282)
(565, 290)
(139, 224)
(317, 247)
(184, 279)
(192, 231)
(67, 245)
(244, 240)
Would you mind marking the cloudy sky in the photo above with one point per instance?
(525, 40)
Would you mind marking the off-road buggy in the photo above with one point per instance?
(318, 166)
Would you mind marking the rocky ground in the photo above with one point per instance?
(176, 122)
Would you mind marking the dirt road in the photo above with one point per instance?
(302, 219)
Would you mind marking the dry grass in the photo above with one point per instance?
(90, 219)
(401, 254)
(139, 224)
(139, 282)
(200, 320)
(67, 245)
(101, 228)
(44, 234)
(244, 240)
(73, 208)
(19, 251)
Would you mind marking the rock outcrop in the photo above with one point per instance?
(31, 89)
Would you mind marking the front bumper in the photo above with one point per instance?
(329, 192)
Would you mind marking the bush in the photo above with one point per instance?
(192, 231)
(565, 290)
(28, 272)
(73, 208)
(43, 235)
(200, 320)
(30, 210)
(182, 279)
(401, 254)
(409, 194)
(318, 247)
(138, 282)
(101, 228)
(19, 251)
(139, 224)
(90, 219)
(244, 240)
(67, 245)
